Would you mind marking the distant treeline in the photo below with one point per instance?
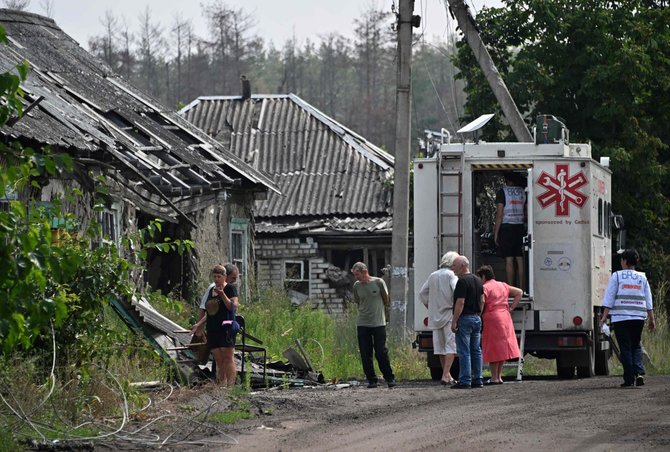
(350, 79)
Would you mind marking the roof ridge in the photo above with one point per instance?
(14, 15)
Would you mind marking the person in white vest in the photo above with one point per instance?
(509, 228)
(628, 301)
(437, 294)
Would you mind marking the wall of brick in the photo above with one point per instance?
(272, 253)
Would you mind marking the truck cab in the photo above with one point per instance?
(567, 243)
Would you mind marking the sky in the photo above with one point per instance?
(277, 20)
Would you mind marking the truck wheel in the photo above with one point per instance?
(436, 372)
(602, 356)
(588, 371)
(564, 372)
(602, 362)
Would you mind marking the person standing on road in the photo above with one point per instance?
(628, 300)
(498, 336)
(509, 228)
(371, 295)
(467, 324)
(437, 294)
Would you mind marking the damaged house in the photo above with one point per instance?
(155, 163)
(335, 192)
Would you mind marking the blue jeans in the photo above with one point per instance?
(469, 347)
(628, 335)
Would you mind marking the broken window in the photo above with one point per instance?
(238, 249)
(296, 276)
(109, 225)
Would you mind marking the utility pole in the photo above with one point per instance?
(467, 25)
(399, 236)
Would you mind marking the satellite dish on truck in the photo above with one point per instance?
(475, 125)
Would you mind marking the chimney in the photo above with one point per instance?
(246, 87)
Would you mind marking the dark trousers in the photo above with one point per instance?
(628, 335)
(373, 338)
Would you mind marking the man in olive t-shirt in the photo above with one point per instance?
(371, 295)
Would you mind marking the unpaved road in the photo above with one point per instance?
(544, 414)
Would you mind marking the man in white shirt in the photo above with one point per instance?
(437, 294)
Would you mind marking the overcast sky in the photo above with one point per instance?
(277, 20)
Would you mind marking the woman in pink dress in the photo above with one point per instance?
(498, 337)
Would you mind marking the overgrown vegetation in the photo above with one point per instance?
(65, 357)
(330, 343)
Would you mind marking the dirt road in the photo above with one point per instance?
(581, 415)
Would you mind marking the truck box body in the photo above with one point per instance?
(569, 241)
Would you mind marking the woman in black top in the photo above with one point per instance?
(216, 311)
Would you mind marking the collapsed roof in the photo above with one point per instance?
(147, 151)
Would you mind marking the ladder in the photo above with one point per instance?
(522, 344)
(450, 201)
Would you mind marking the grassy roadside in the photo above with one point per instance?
(74, 400)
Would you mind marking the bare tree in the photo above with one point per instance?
(104, 45)
(182, 29)
(19, 5)
(335, 64)
(373, 46)
(47, 7)
(230, 44)
(151, 46)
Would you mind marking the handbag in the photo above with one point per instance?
(234, 324)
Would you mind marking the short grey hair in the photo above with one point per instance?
(359, 266)
(462, 260)
(231, 268)
(448, 259)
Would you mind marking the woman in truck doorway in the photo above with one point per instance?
(509, 228)
(498, 337)
(628, 300)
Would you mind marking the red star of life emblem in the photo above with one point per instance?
(562, 190)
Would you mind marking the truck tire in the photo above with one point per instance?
(564, 372)
(602, 356)
(589, 370)
(436, 372)
(602, 362)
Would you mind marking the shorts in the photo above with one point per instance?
(510, 240)
(222, 336)
(444, 340)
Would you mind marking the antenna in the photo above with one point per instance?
(475, 125)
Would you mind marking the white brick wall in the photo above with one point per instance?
(270, 257)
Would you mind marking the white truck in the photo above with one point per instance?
(568, 246)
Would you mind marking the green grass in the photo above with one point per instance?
(332, 345)
(230, 417)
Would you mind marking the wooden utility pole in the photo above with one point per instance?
(399, 236)
(467, 25)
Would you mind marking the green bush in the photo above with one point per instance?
(330, 342)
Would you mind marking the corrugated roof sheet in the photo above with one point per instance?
(92, 113)
(321, 167)
(346, 224)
